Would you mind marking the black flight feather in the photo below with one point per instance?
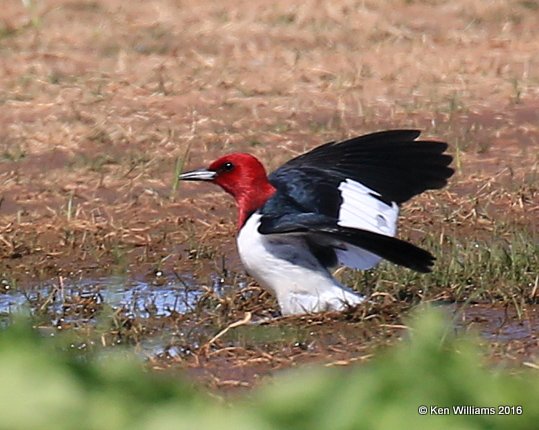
(392, 163)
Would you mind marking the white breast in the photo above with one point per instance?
(283, 264)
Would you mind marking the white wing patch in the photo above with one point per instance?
(361, 209)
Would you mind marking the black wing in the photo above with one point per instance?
(392, 163)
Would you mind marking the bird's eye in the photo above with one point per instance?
(227, 167)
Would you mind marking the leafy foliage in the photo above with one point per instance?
(45, 385)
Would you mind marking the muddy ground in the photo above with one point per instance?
(103, 103)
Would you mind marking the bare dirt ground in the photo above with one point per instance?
(102, 103)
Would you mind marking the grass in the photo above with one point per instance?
(467, 270)
(13, 153)
(103, 106)
(66, 387)
(178, 169)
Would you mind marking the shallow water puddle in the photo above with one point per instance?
(161, 297)
(500, 324)
(139, 298)
(10, 301)
(78, 303)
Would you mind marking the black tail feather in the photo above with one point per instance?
(325, 233)
(389, 248)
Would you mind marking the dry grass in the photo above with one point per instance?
(102, 103)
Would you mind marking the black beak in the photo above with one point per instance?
(198, 175)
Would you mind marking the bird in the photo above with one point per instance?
(337, 204)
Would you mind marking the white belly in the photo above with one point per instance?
(284, 265)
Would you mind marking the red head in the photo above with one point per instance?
(240, 175)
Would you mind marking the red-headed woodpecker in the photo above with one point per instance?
(337, 204)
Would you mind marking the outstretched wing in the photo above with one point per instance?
(392, 163)
(357, 184)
